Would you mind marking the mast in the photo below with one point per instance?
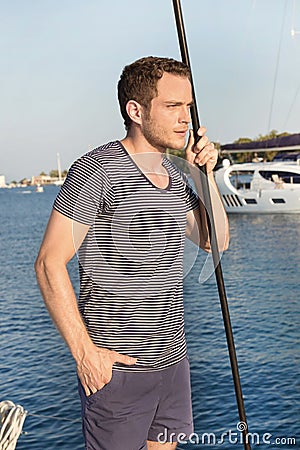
(213, 237)
(59, 167)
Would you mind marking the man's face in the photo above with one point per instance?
(166, 124)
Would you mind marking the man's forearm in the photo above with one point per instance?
(61, 302)
(219, 213)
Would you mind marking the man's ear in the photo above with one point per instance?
(134, 111)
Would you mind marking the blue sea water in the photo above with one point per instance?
(261, 271)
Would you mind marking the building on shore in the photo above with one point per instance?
(45, 179)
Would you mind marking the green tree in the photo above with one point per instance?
(53, 173)
(25, 181)
(242, 140)
(272, 135)
(246, 157)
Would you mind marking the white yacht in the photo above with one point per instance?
(260, 187)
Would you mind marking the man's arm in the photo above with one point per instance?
(204, 153)
(62, 237)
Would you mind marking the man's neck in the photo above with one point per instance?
(142, 152)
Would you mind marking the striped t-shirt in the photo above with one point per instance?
(130, 263)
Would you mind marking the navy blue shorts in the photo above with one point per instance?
(138, 406)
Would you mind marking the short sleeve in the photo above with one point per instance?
(191, 198)
(86, 191)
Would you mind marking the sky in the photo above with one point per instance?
(61, 61)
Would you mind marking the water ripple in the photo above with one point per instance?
(261, 271)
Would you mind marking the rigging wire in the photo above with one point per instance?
(291, 107)
(293, 31)
(277, 67)
(54, 417)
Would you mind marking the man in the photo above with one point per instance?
(125, 208)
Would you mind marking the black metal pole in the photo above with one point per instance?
(213, 238)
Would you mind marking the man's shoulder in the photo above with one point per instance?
(97, 160)
(104, 152)
(94, 163)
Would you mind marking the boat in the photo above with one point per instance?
(60, 180)
(262, 187)
(39, 188)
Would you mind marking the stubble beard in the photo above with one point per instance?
(158, 137)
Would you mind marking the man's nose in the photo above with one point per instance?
(185, 115)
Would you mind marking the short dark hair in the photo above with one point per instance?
(138, 81)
